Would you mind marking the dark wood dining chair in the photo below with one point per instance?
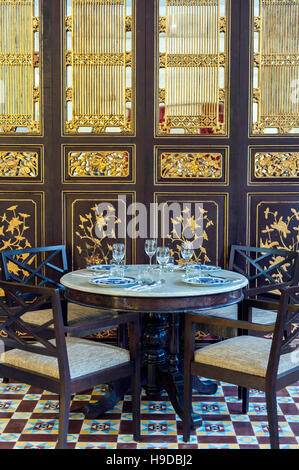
(248, 361)
(64, 364)
(267, 270)
(44, 266)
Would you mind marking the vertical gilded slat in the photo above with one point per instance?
(99, 61)
(277, 64)
(18, 62)
(192, 62)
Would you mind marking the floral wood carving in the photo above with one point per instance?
(92, 248)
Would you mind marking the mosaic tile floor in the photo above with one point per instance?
(28, 420)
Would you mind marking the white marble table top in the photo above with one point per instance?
(172, 285)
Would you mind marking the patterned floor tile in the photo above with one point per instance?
(29, 420)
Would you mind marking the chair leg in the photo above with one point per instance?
(64, 410)
(136, 402)
(272, 418)
(245, 399)
(187, 407)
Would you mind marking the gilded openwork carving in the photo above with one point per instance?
(99, 67)
(191, 165)
(105, 164)
(18, 164)
(275, 67)
(276, 165)
(20, 67)
(192, 67)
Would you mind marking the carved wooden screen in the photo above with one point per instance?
(275, 67)
(20, 65)
(193, 60)
(155, 101)
(99, 66)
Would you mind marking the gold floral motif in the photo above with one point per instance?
(191, 165)
(276, 165)
(280, 232)
(92, 249)
(18, 164)
(187, 223)
(13, 227)
(104, 164)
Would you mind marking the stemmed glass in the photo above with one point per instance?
(187, 253)
(150, 248)
(163, 254)
(118, 252)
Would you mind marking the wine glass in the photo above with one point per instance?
(187, 253)
(150, 248)
(163, 254)
(118, 252)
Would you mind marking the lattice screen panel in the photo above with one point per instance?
(193, 67)
(20, 63)
(99, 66)
(275, 67)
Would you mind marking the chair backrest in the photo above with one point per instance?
(15, 306)
(285, 337)
(264, 266)
(41, 266)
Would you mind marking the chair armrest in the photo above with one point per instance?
(265, 289)
(241, 324)
(115, 319)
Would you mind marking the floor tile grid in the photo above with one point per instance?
(29, 419)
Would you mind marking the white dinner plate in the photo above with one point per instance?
(200, 267)
(99, 267)
(113, 281)
(206, 281)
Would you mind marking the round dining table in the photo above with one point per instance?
(162, 296)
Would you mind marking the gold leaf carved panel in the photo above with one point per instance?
(22, 164)
(20, 67)
(86, 163)
(276, 165)
(99, 67)
(106, 164)
(192, 67)
(191, 165)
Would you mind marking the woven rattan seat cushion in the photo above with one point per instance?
(84, 357)
(76, 315)
(247, 354)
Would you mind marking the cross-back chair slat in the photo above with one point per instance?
(265, 266)
(36, 274)
(248, 361)
(65, 364)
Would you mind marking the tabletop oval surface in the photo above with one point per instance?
(172, 285)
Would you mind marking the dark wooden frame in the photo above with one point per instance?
(272, 382)
(65, 386)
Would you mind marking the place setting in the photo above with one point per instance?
(145, 277)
